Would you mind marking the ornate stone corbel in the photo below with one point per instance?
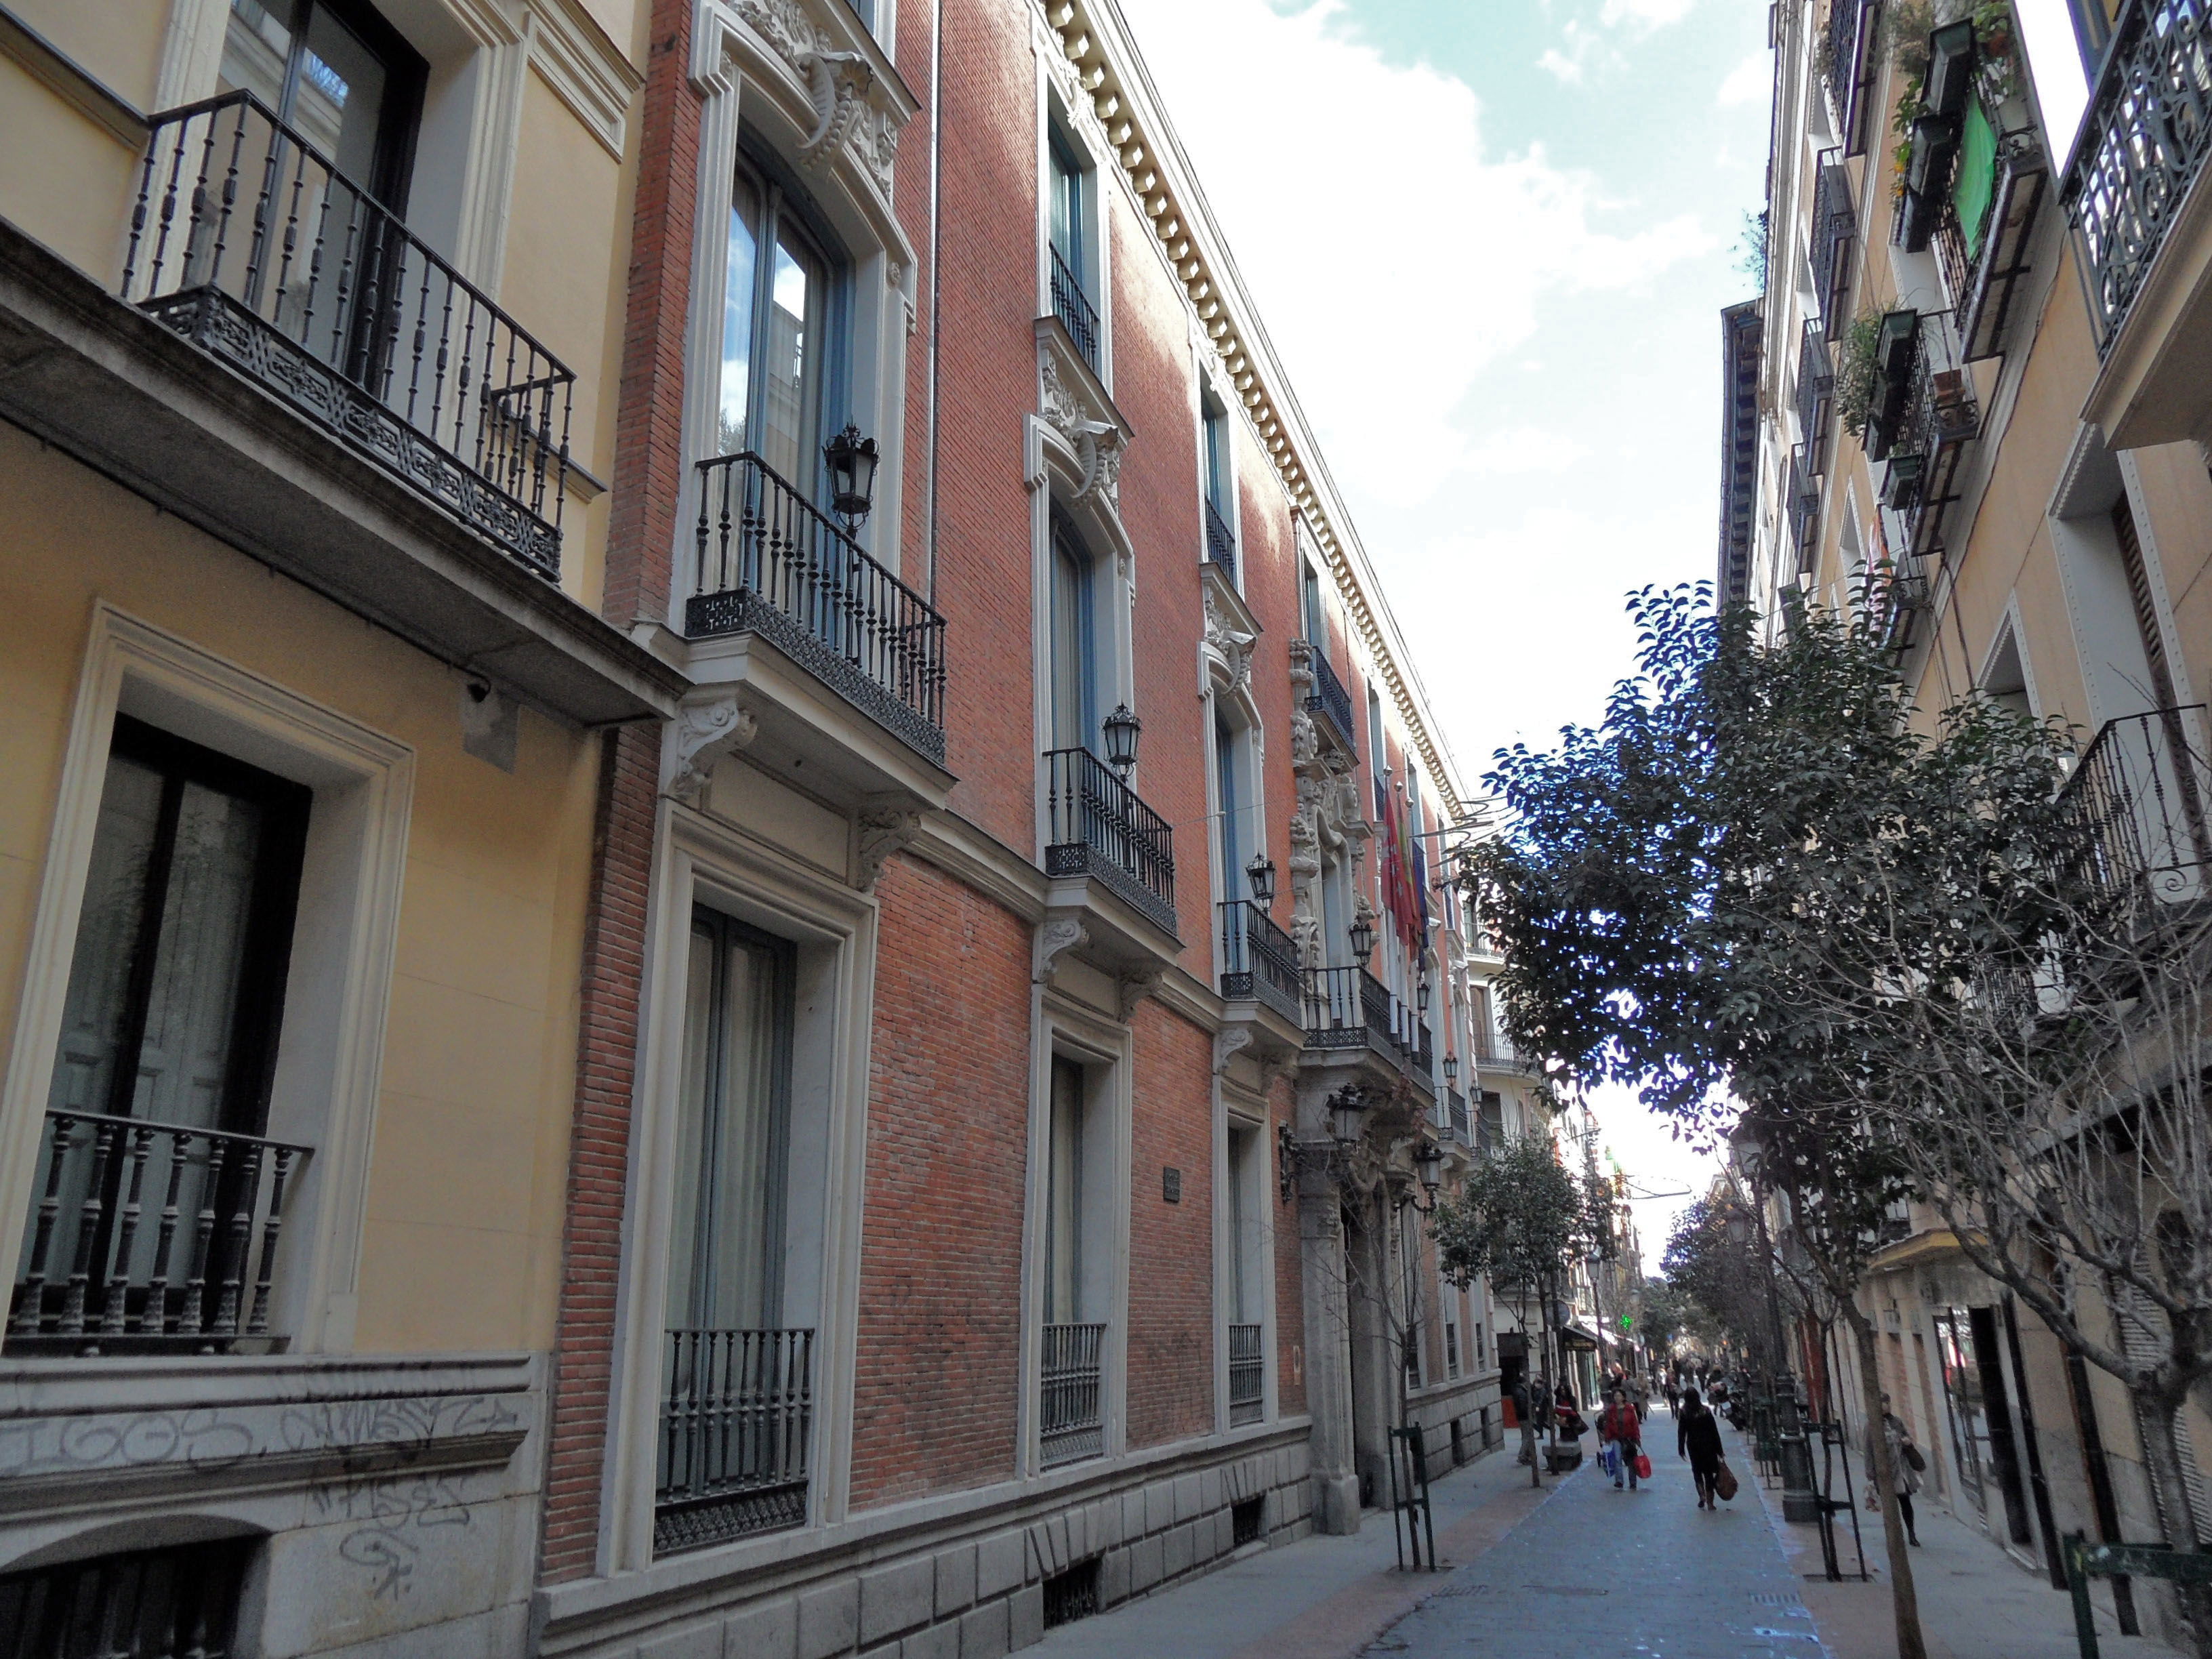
(1056, 935)
(837, 82)
(879, 833)
(1133, 987)
(1228, 1042)
(1098, 447)
(705, 726)
(1232, 645)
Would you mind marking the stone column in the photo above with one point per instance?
(1328, 1360)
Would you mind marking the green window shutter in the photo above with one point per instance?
(1975, 181)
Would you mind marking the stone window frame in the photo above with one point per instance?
(330, 1047)
(702, 859)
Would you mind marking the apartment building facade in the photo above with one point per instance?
(1981, 421)
(698, 654)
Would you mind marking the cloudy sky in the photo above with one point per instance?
(1490, 240)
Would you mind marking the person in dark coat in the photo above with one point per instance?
(1698, 1437)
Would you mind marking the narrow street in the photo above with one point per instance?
(1580, 1571)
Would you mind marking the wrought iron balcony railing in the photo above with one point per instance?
(1097, 826)
(1851, 26)
(1220, 541)
(1073, 308)
(250, 242)
(1455, 1118)
(1801, 498)
(151, 1235)
(2138, 802)
(1816, 386)
(1982, 263)
(1071, 1393)
(2143, 145)
(1940, 418)
(1349, 1008)
(1331, 700)
(737, 1419)
(1259, 960)
(1247, 1374)
(772, 562)
(1835, 230)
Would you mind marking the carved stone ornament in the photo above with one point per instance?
(1228, 1042)
(1056, 935)
(881, 832)
(704, 728)
(1327, 813)
(1231, 644)
(838, 84)
(1097, 444)
(1133, 987)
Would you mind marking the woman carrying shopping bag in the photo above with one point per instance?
(1620, 1431)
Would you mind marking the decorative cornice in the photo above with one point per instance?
(574, 56)
(1159, 177)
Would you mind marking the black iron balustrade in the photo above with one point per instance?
(149, 1233)
(1816, 386)
(2138, 802)
(2144, 142)
(1071, 1393)
(1984, 306)
(1220, 541)
(1350, 1008)
(1247, 1374)
(1073, 308)
(1851, 28)
(1329, 699)
(737, 1421)
(1802, 501)
(1835, 230)
(250, 242)
(771, 561)
(1940, 418)
(1894, 599)
(1455, 1118)
(1097, 826)
(1259, 960)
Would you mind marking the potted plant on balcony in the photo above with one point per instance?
(1857, 358)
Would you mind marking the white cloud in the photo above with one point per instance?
(1395, 255)
(1749, 81)
(1644, 14)
(1557, 63)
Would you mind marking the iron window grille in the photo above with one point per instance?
(2137, 803)
(175, 1603)
(1071, 1393)
(737, 1418)
(1331, 700)
(250, 242)
(1247, 1374)
(1835, 232)
(771, 561)
(1073, 308)
(1220, 541)
(1816, 386)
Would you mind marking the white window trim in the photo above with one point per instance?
(1236, 1107)
(700, 858)
(330, 1047)
(735, 70)
(1081, 122)
(1066, 1027)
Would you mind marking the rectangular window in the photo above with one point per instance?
(176, 1601)
(776, 313)
(1376, 752)
(1451, 1348)
(1313, 619)
(1230, 841)
(170, 1020)
(1075, 648)
(1071, 1390)
(1063, 1243)
(1074, 268)
(728, 1357)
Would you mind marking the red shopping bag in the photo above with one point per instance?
(1643, 1466)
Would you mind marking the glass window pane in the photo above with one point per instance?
(1225, 767)
(1073, 710)
(687, 1212)
(183, 1061)
(257, 46)
(338, 101)
(738, 289)
(790, 352)
(1063, 1246)
(107, 932)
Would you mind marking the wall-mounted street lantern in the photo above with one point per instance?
(1451, 1069)
(1259, 879)
(1428, 1163)
(1421, 996)
(852, 461)
(1363, 938)
(1347, 1110)
(1122, 729)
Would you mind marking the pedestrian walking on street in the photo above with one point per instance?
(1620, 1428)
(1639, 1395)
(1526, 1395)
(1674, 1395)
(1698, 1437)
(1906, 1462)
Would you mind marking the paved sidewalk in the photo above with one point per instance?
(1319, 1598)
(1975, 1601)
